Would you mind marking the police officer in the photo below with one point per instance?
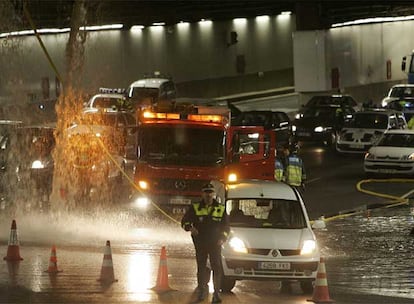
(280, 161)
(207, 220)
(295, 169)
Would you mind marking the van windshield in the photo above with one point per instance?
(265, 213)
(144, 95)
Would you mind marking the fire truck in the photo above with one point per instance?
(181, 148)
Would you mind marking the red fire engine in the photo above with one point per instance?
(179, 151)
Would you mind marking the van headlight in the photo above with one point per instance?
(237, 245)
(309, 246)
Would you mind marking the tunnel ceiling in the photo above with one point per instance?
(57, 13)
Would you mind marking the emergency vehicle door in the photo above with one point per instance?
(251, 152)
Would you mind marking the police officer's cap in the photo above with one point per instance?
(208, 188)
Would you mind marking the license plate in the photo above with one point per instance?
(180, 201)
(274, 265)
(303, 134)
(178, 210)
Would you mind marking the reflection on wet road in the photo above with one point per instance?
(371, 254)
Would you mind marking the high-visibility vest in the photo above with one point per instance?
(294, 171)
(410, 123)
(279, 171)
(216, 212)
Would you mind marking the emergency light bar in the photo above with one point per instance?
(191, 117)
(157, 115)
(112, 90)
(205, 117)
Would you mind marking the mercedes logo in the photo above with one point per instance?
(180, 185)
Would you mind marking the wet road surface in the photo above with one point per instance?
(368, 256)
(368, 260)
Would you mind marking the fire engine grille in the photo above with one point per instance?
(179, 184)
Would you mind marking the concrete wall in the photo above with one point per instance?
(198, 57)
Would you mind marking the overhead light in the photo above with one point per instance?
(286, 13)
(137, 28)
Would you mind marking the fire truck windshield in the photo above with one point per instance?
(181, 146)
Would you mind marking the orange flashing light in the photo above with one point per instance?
(150, 115)
(206, 118)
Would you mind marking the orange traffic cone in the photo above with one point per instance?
(321, 292)
(53, 261)
(107, 270)
(162, 277)
(13, 251)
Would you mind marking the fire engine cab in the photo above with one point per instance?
(182, 147)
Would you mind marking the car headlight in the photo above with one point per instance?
(293, 128)
(142, 202)
(408, 157)
(369, 156)
(309, 246)
(37, 164)
(143, 185)
(237, 245)
(319, 129)
(298, 115)
(232, 177)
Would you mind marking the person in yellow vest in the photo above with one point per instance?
(410, 123)
(208, 222)
(280, 165)
(295, 174)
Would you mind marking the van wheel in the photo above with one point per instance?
(227, 284)
(306, 286)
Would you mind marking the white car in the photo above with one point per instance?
(394, 154)
(106, 101)
(398, 92)
(366, 128)
(270, 237)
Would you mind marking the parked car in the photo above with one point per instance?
(321, 124)
(273, 120)
(393, 154)
(27, 165)
(330, 100)
(106, 101)
(119, 127)
(270, 236)
(365, 129)
(399, 92)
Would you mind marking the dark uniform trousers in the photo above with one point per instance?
(212, 225)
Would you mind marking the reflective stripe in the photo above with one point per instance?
(294, 172)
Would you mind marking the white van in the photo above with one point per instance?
(150, 90)
(270, 238)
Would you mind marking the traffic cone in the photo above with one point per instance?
(53, 261)
(321, 292)
(13, 251)
(162, 277)
(107, 270)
